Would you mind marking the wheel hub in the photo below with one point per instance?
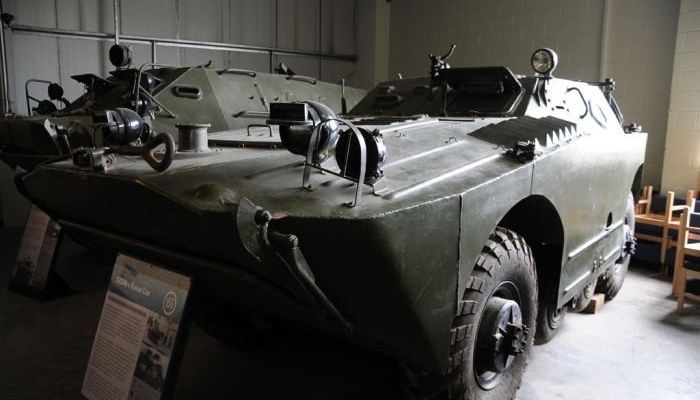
(502, 335)
(554, 316)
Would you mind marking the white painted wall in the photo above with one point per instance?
(682, 160)
(316, 25)
(639, 47)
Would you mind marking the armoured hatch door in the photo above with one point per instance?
(240, 96)
(202, 105)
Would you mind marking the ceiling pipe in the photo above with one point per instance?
(167, 42)
(117, 11)
(5, 87)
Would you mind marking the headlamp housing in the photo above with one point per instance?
(544, 61)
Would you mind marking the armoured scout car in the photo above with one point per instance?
(226, 98)
(447, 220)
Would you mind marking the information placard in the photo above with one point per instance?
(137, 346)
(37, 255)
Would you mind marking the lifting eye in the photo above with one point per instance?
(189, 92)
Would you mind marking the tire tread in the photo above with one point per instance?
(503, 244)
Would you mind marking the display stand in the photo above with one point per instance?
(33, 274)
(140, 337)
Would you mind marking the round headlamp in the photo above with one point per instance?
(544, 61)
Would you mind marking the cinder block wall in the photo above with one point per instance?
(639, 56)
(640, 40)
(682, 160)
(504, 32)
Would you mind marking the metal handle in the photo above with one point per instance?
(26, 92)
(237, 71)
(302, 78)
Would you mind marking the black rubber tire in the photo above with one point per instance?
(506, 258)
(610, 282)
(549, 320)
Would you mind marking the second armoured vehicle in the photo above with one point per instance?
(446, 220)
(226, 99)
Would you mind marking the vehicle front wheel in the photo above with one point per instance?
(492, 333)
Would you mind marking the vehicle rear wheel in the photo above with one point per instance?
(549, 320)
(611, 281)
(491, 334)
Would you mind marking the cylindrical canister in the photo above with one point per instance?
(193, 137)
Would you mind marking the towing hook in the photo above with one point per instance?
(148, 151)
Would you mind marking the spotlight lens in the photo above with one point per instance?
(544, 61)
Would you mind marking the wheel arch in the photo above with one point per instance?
(637, 182)
(537, 220)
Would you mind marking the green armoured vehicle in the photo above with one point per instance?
(446, 220)
(225, 98)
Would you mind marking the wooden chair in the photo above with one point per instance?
(683, 270)
(666, 221)
(673, 222)
(643, 206)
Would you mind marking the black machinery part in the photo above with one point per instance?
(297, 122)
(119, 55)
(122, 126)
(347, 154)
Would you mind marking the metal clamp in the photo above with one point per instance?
(313, 146)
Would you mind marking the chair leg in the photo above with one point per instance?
(680, 294)
(664, 246)
(675, 283)
(677, 267)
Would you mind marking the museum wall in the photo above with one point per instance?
(639, 54)
(682, 161)
(295, 25)
(506, 32)
(497, 33)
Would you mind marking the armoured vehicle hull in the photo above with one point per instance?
(485, 172)
(226, 99)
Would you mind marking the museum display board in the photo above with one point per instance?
(140, 335)
(33, 274)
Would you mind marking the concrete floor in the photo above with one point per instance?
(637, 348)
